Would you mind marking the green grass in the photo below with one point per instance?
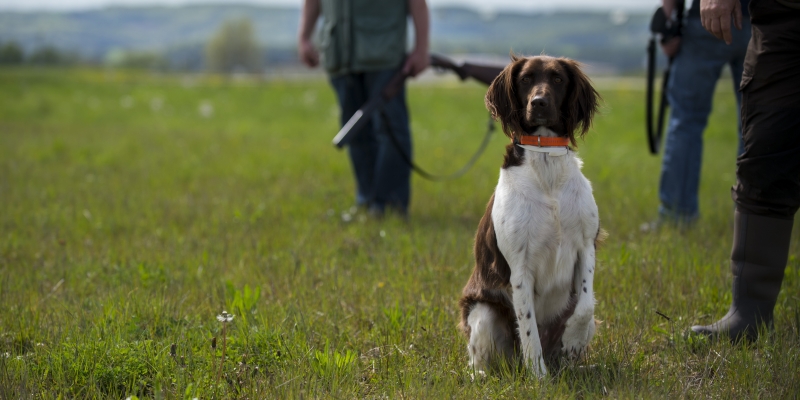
(128, 222)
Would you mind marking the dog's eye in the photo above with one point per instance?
(526, 79)
(557, 80)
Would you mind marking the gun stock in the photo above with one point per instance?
(479, 72)
(482, 73)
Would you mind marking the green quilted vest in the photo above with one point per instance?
(363, 35)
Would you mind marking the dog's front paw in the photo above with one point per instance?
(479, 375)
(577, 334)
(537, 366)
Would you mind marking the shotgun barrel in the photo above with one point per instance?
(357, 122)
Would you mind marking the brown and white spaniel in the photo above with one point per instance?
(530, 294)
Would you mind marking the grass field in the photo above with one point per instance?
(135, 208)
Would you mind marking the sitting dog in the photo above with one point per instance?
(530, 293)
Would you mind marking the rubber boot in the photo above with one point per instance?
(758, 259)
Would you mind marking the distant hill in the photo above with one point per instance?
(609, 41)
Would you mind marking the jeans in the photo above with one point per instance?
(690, 90)
(383, 178)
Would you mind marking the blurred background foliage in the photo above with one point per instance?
(235, 38)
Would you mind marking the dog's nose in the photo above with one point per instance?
(540, 101)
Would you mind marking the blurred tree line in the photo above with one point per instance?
(12, 53)
(233, 49)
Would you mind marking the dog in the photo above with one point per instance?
(530, 295)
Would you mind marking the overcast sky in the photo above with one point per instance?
(59, 5)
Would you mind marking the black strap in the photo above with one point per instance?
(655, 133)
(460, 172)
(667, 28)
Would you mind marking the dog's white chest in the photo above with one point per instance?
(540, 219)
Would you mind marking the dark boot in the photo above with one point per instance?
(758, 258)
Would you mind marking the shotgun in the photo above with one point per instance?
(481, 73)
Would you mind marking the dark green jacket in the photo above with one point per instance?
(363, 35)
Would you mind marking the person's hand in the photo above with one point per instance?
(308, 54)
(416, 62)
(671, 47)
(716, 17)
(668, 6)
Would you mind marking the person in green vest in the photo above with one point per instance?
(362, 44)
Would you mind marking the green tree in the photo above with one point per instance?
(11, 54)
(234, 48)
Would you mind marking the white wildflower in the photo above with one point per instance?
(206, 109)
(126, 102)
(225, 317)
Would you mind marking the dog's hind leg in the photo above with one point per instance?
(490, 339)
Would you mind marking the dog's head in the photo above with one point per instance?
(543, 91)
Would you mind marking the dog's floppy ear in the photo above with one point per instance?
(501, 98)
(582, 103)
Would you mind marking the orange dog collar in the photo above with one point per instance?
(542, 141)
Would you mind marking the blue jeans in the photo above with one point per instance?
(383, 178)
(690, 90)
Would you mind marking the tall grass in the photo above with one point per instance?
(135, 208)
